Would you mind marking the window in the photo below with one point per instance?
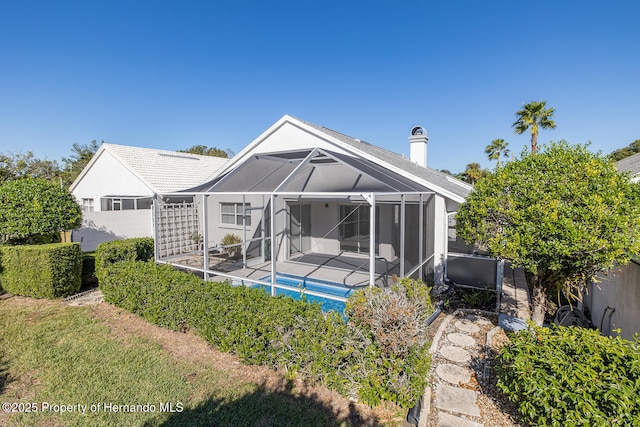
(355, 227)
(87, 205)
(118, 203)
(231, 213)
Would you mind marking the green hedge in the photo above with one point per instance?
(107, 253)
(570, 376)
(279, 332)
(42, 271)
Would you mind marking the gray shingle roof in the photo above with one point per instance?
(630, 164)
(166, 171)
(430, 175)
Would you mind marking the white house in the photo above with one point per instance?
(614, 300)
(305, 199)
(116, 189)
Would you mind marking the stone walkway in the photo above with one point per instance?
(458, 347)
(89, 297)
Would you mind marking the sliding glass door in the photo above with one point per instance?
(300, 227)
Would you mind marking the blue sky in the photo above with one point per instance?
(172, 74)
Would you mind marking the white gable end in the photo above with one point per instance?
(107, 176)
(291, 137)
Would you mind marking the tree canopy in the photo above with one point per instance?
(564, 214)
(473, 173)
(80, 156)
(32, 207)
(22, 165)
(627, 151)
(203, 150)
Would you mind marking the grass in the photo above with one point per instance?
(53, 353)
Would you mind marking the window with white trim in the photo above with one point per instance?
(87, 205)
(231, 213)
(125, 203)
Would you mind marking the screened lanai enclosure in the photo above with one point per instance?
(313, 214)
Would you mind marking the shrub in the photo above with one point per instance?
(32, 210)
(228, 240)
(155, 292)
(41, 271)
(396, 363)
(281, 332)
(572, 376)
(137, 249)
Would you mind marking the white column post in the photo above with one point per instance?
(205, 237)
(273, 245)
(403, 217)
(244, 232)
(421, 236)
(156, 240)
(372, 241)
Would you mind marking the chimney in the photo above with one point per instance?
(418, 142)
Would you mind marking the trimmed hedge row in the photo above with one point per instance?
(107, 253)
(279, 332)
(568, 376)
(42, 271)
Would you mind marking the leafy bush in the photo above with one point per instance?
(137, 249)
(155, 292)
(572, 376)
(280, 332)
(32, 210)
(41, 271)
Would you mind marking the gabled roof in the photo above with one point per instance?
(433, 176)
(162, 171)
(309, 170)
(432, 179)
(630, 164)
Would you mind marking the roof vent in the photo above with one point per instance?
(178, 156)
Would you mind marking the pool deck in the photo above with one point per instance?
(344, 269)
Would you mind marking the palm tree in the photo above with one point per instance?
(473, 173)
(534, 115)
(497, 148)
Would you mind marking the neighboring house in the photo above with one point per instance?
(307, 200)
(614, 300)
(116, 188)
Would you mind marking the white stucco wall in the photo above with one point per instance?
(98, 227)
(614, 301)
(107, 177)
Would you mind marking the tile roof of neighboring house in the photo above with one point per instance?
(162, 170)
(433, 176)
(630, 164)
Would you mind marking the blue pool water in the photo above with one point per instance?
(301, 284)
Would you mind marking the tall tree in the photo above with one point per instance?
(497, 148)
(564, 215)
(80, 156)
(203, 150)
(534, 115)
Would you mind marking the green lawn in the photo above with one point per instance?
(62, 355)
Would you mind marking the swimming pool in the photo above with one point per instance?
(334, 294)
